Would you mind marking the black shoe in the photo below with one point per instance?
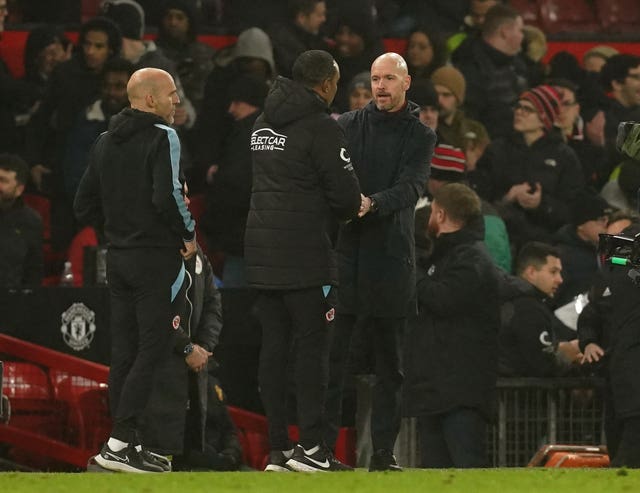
(278, 461)
(126, 460)
(155, 459)
(316, 459)
(384, 460)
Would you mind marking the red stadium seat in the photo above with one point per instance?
(619, 15)
(564, 16)
(570, 456)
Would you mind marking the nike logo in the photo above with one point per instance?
(119, 459)
(324, 465)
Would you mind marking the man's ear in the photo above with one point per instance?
(407, 83)
(19, 189)
(150, 101)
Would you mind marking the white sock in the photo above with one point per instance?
(116, 445)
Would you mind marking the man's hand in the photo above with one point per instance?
(365, 205)
(189, 250)
(211, 171)
(592, 353)
(37, 173)
(197, 360)
(530, 199)
(569, 351)
(516, 191)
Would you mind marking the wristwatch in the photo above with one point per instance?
(188, 349)
(374, 205)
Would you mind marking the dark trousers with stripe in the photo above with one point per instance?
(295, 325)
(147, 294)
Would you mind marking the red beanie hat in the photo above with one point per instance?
(546, 101)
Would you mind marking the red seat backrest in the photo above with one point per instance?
(562, 15)
(619, 15)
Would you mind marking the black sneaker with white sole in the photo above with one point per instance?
(384, 460)
(316, 459)
(129, 459)
(156, 459)
(278, 461)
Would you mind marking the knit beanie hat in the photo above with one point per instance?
(423, 94)
(250, 89)
(452, 79)
(128, 15)
(448, 164)
(546, 101)
(588, 206)
(360, 81)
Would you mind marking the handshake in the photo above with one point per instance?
(367, 204)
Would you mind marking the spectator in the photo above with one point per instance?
(356, 46)
(250, 55)
(424, 95)
(448, 166)
(533, 341)
(303, 181)
(534, 48)
(494, 80)
(230, 183)
(299, 34)
(451, 347)
(93, 121)
(455, 128)
(21, 261)
(177, 34)
(390, 151)
(425, 53)
(622, 190)
(531, 176)
(620, 77)
(129, 17)
(360, 91)
(472, 24)
(594, 59)
(577, 243)
(572, 126)
(74, 85)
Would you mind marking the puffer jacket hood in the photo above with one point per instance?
(129, 122)
(289, 101)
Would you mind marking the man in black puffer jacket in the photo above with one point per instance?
(303, 181)
(451, 352)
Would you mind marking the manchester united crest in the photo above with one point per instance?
(78, 326)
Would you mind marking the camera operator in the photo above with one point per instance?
(623, 284)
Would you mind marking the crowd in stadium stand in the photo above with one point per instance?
(535, 141)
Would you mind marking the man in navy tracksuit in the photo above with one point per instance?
(133, 186)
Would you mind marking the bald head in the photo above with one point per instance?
(153, 91)
(390, 81)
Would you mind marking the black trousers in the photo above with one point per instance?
(457, 438)
(628, 452)
(147, 299)
(295, 324)
(386, 344)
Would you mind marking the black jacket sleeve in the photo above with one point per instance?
(210, 326)
(87, 204)
(332, 160)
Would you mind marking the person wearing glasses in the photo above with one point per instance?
(573, 127)
(532, 175)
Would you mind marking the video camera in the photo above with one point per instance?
(621, 249)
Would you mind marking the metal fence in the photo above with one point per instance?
(531, 412)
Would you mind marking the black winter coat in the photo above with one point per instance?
(494, 83)
(391, 153)
(579, 264)
(549, 161)
(164, 423)
(303, 182)
(21, 262)
(624, 357)
(451, 347)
